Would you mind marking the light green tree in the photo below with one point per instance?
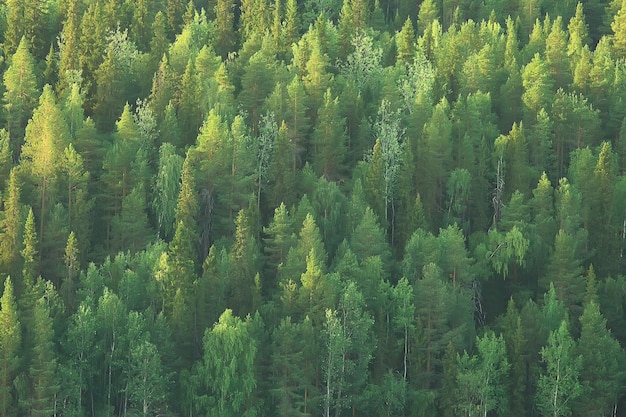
(227, 368)
(20, 96)
(559, 384)
(481, 378)
(10, 342)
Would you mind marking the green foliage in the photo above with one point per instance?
(480, 378)
(20, 96)
(226, 374)
(10, 342)
(405, 169)
(559, 385)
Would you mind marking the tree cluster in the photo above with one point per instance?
(298, 208)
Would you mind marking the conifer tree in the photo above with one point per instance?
(29, 252)
(130, 229)
(619, 30)
(174, 10)
(27, 20)
(79, 205)
(72, 263)
(329, 139)
(428, 13)
(317, 80)
(225, 32)
(405, 43)
(20, 96)
(244, 256)
(10, 239)
(556, 55)
(159, 41)
(10, 342)
(578, 35)
(538, 87)
(46, 137)
(601, 357)
(43, 367)
(291, 25)
(309, 239)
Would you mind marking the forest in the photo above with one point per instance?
(312, 208)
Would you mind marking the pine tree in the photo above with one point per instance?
(601, 355)
(280, 238)
(578, 35)
(70, 280)
(29, 252)
(329, 139)
(619, 30)
(46, 136)
(256, 84)
(10, 342)
(405, 43)
(43, 367)
(317, 80)
(79, 206)
(281, 172)
(174, 10)
(225, 32)
(140, 24)
(291, 26)
(428, 13)
(556, 55)
(244, 256)
(20, 97)
(309, 239)
(27, 20)
(10, 239)
(538, 86)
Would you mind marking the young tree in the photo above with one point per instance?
(559, 384)
(404, 318)
(167, 189)
(349, 343)
(146, 384)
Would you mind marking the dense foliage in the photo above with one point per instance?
(293, 208)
